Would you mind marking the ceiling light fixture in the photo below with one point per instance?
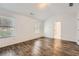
(42, 5)
(31, 13)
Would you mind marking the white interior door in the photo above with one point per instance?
(57, 30)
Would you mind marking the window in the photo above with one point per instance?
(7, 27)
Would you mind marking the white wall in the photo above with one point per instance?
(25, 30)
(68, 27)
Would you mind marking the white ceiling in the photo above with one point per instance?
(29, 9)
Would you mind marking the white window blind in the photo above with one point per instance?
(7, 26)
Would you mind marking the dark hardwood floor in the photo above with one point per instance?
(42, 47)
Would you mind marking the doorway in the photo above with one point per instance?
(57, 30)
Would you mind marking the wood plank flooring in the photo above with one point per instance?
(42, 47)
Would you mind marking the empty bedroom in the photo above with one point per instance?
(39, 29)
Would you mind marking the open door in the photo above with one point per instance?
(57, 30)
